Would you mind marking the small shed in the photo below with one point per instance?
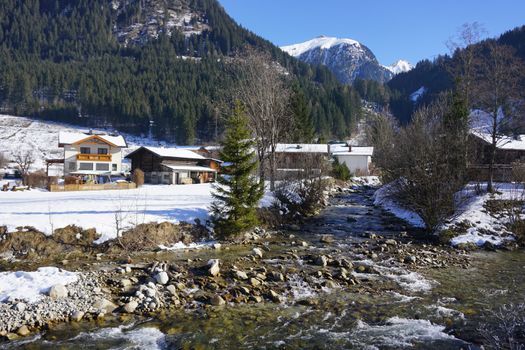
(357, 159)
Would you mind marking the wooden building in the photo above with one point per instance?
(173, 165)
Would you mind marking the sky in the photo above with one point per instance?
(401, 29)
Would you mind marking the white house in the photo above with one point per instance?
(357, 159)
(92, 153)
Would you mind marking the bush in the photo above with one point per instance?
(303, 197)
(70, 180)
(340, 171)
(37, 179)
(138, 177)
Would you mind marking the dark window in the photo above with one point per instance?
(85, 150)
(102, 166)
(72, 166)
(114, 167)
(102, 151)
(85, 166)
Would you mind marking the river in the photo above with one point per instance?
(428, 309)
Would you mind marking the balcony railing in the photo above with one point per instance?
(95, 157)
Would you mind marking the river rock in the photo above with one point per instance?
(125, 283)
(58, 291)
(213, 267)
(162, 278)
(23, 331)
(326, 239)
(131, 307)
(217, 300)
(411, 259)
(275, 297)
(104, 305)
(255, 282)
(276, 276)
(257, 252)
(172, 289)
(240, 275)
(21, 307)
(391, 242)
(77, 316)
(321, 261)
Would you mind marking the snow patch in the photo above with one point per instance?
(416, 95)
(322, 42)
(30, 286)
(182, 246)
(401, 66)
(383, 199)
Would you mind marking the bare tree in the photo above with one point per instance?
(498, 76)
(263, 90)
(463, 50)
(24, 160)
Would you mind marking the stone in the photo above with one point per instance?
(255, 282)
(21, 307)
(391, 242)
(304, 244)
(131, 306)
(162, 278)
(257, 252)
(241, 275)
(321, 261)
(411, 259)
(104, 305)
(23, 331)
(326, 239)
(276, 298)
(276, 276)
(217, 246)
(217, 300)
(213, 267)
(172, 289)
(58, 291)
(77, 316)
(125, 283)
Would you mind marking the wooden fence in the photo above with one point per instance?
(93, 187)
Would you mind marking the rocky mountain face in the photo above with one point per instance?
(346, 58)
(138, 21)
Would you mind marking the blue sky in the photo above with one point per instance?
(406, 29)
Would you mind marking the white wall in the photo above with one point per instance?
(355, 163)
(71, 151)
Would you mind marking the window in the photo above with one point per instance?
(102, 166)
(85, 166)
(85, 150)
(102, 151)
(114, 167)
(72, 166)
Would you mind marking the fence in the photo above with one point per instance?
(93, 187)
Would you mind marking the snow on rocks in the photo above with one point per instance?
(32, 286)
(382, 198)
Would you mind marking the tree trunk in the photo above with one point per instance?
(272, 168)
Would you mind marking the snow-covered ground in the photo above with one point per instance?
(100, 209)
(30, 286)
(47, 211)
(483, 227)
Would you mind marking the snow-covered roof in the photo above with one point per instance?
(322, 42)
(68, 138)
(301, 148)
(356, 151)
(189, 167)
(171, 152)
(505, 142)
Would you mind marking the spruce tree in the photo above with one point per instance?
(302, 117)
(238, 192)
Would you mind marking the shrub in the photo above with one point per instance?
(70, 180)
(340, 171)
(138, 177)
(37, 179)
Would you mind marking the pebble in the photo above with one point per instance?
(58, 291)
(162, 278)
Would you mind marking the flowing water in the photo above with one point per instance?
(434, 309)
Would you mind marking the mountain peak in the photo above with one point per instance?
(400, 66)
(322, 42)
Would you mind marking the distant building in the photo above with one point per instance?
(292, 159)
(510, 155)
(91, 153)
(357, 159)
(173, 165)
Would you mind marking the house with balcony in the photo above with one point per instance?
(92, 154)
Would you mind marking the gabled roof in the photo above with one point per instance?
(504, 142)
(189, 168)
(170, 153)
(71, 138)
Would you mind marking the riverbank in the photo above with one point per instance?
(370, 258)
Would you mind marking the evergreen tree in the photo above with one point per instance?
(305, 131)
(238, 192)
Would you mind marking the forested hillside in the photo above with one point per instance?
(435, 76)
(138, 63)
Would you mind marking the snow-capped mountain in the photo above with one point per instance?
(348, 59)
(400, 66)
